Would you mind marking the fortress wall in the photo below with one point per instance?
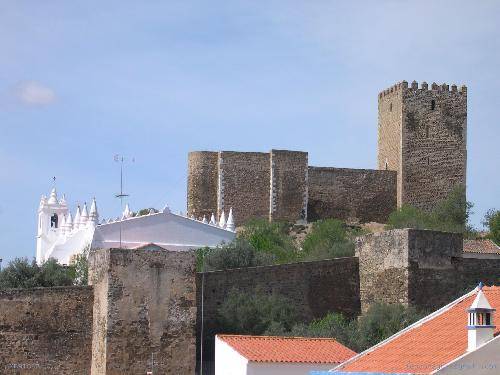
(288, 185)
(315, 288)
(144, 308)
(360, 194)
(202, 183)
(46, 330)
(244, 184)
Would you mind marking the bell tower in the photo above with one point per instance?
(51, 217)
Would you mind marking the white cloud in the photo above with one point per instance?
(34, 93)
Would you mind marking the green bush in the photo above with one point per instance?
(271, 238)
(492, 222)
(408, 217)
(236, 254)
(380, 322)
(449, 215)
(328, 239)
(21, 273)
(255, 313)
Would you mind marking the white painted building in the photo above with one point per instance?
(265, 355)
(62, 236)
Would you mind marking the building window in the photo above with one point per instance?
(390, 107)
(53, 221)
(433, 104)
(428, 161)
(427, 131)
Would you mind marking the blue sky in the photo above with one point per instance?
(82, 81)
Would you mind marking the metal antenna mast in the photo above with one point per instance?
(120, 159)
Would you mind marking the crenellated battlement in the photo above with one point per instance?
(423, 87)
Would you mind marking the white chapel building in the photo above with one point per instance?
(62, 236)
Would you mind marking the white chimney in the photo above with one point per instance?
(480, 324)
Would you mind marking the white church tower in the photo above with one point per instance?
(51, 213)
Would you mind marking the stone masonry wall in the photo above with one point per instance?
(356, 194)
(383, 267)
(144, 308)
(244, 184)
(46, 330)
(288, 185)
(202, 183)
(421, 268)
(315, 288)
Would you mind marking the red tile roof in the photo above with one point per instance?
(429, 344)
(288, 349)
(481, 246)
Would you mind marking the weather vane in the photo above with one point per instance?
(120, 159)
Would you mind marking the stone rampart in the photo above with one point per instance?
(46, 330)
(351, 194)
(244, 184)
(144, 311)
(202, 183)
(314, 289)
(288, 185)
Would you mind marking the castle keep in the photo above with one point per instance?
(422, 156)
(422, 136)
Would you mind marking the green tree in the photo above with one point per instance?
(328, 239)
(254, 313)
(270, 237)
(21, 273)
(236, 254)
(146, 211)
(492, 222)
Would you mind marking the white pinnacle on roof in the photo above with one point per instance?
(126, 212)
(62, 201)
(204, 221)
(230, 221)
(62, 224)
(77, 221)
(222, 220)
(212, 220)
(94, 215)
(84, 215)
(68, 223)
(53, 197)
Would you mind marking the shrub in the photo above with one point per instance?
(408, 217)
(236, 254)
(255, 313)
(328, 239)
(382, 321)
(449, 215)
(271, 238)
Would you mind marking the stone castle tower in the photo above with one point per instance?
(422, 134)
